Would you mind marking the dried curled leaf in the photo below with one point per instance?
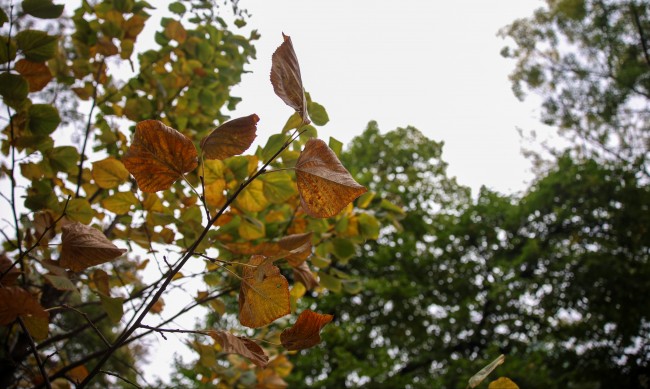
(262, 301)
(17, 302)
(85, 246)
(324, 184)
(242, 346)
(303, 274)
(9, 273)
(159, 155)
(484, 372)
(286, 79)
(305, 333)
(231, 138)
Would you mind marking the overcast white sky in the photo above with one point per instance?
(434, 65)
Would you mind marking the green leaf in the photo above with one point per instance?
(368, 226)
(329, 282)
(336, 146)
(278, 187)
(80, 210)
(36, 45)
(63, 158)
(61, 282)
(113, 306)
(364, 200)
(251, 229)
(343, 249)
(273, 145)
(43, 119)
(13, 89)
(3, 17)
(120, 203)
(294, 121)
(389, 206)
(177, 8)
(7, 50)
(43, 9)
(317, 114)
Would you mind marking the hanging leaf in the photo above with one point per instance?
(37, 74)
(278, 187)
(286, 79)
(44, 9)
(113, 306)
(101, 280)
(305, 333)
(484, 372)
(269, 379)
(261, 302)
(8, 273)
(303, 274)
(231, 138)
(43, 119)
(109, 173)
(252, 198)
(120, 203)
(36, 45)
(17, 302)
(239, 345)
(80, 210)
(325, 186)
(503, 383)
(159, 155)
(85, 246)
(13, 89)
(296, 248)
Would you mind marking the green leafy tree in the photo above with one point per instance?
(152, 174)
(589, 60)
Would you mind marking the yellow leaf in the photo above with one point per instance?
(109, 173)
(120, 203)
(262, 302)
(252, 198)
(503, 383)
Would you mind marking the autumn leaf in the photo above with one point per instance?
(159, 155)
(286, 79)
(85, 246)
(109, 173)
(239, 345)
(484, 372)
(296, 248)
(303, 274)
(325, 186)
(269, 379)
(503, 383)
(17, 302)
(261, 302)
(37, 74)
(305, 333)
(231, 138)
(8, 272)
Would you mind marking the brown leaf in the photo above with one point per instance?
(261, 302)
(159, 155)
(15, 302)
(297, 248)
(286, 79)
(85, 246)
(325, 186)
(8, 272)
(305, 276)
(305, 333)
(101, 280)
(42, 221)
(242, 346)
(231, 138)
(268, 379)
(37, 74)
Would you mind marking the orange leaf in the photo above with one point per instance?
(159, 155)
(306, 332)
(240, 345)
(37, 74)
(268, 379)
(297, 247)
(286, 79)
(503, 383)
(261, 302)
(303, 274)
(85, 246)
(17, 302)
(325, 186)
(231, 138)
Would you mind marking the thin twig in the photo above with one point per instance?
(32, 346)
(90, 322)
(120, 377)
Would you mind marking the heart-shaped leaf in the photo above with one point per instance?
(305, 333)
(325, 186)
(231, 138)
(159, 155)
(239, 345)
(109, 173)
(286, 79)
(37, 74)
(8, 272)
(85, 246)
(261, 302)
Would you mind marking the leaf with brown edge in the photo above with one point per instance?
(305, 333)
(37, 74)
(85, 246)
(297, 248)
(262, 302)
(17, 302)
(325, 186)
(231, 138)
(239, 345)
(159, 155)
(286, 79)
(303, 274)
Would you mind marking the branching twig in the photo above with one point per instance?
(39, 361)
(120, 377)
